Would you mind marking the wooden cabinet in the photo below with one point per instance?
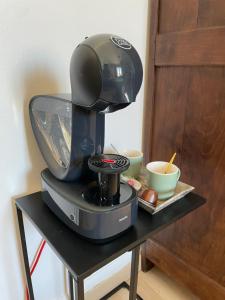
(185, 112)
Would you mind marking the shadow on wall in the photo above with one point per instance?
(37, 82)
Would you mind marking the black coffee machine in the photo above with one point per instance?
(82, 185)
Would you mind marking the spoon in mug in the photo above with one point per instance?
(114, 148)
(170, 163)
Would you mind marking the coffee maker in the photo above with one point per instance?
(82, 185)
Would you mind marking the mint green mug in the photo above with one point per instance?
(136, 160)
(163, 184)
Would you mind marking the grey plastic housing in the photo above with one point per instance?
(67, 135)
(89, 220)
(106, 73)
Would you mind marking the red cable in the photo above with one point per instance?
(41, 247)
(35, 262)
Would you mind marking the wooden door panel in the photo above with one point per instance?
(169, 112)
(186, 102)
(196, 131)
(191, 48)
(203, 164)
(211, 13)
(178, 15)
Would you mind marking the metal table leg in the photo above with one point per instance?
(132, 288)
(25, 255)
(134, 273)
(76, 288)
(79, 289)
(71, 287)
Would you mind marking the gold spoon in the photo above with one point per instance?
(170, 163)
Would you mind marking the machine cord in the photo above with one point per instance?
(35, 262)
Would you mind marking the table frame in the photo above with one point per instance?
(76, 286)
(33, 207)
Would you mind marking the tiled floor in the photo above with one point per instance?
(155, 285)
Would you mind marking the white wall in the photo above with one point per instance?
(37, 39)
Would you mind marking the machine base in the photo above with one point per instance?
(96, 223)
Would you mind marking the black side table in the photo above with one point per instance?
(81, 257)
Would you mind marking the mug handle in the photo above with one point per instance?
(178, 175)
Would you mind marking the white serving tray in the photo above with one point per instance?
(181, 190)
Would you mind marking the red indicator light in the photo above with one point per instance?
(108, 161)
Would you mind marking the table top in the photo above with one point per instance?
(82, 257)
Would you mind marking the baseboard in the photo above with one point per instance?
(200, 284)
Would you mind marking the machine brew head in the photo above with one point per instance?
(106, 73)
(108, 167)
